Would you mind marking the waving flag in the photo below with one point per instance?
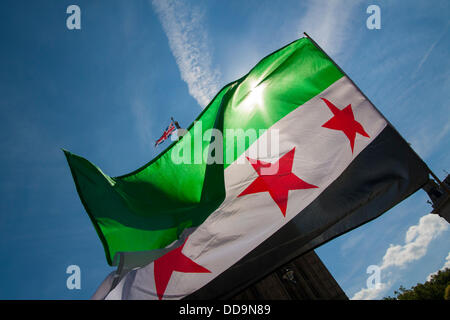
(188, 225)
(166, 134)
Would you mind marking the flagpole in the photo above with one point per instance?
(392, 126)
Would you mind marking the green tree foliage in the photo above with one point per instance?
(438, 288)
(447, 293)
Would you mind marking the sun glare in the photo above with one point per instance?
(255, 99)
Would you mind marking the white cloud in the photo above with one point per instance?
(445, 266)
(372, 293)
(327, 22)
(417, 240)
(189, 44)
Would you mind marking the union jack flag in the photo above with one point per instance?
(167, 133)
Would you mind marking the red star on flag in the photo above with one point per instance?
(344, 121)
(279, 183)
(173, 260)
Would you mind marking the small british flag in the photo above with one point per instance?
(167, 133)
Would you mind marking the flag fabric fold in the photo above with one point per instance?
(209, 216)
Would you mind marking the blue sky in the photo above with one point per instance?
(107, 91)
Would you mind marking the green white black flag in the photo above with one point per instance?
(207, 209)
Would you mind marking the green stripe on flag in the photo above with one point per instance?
(149, 208)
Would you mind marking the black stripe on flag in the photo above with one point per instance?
(386, 172)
